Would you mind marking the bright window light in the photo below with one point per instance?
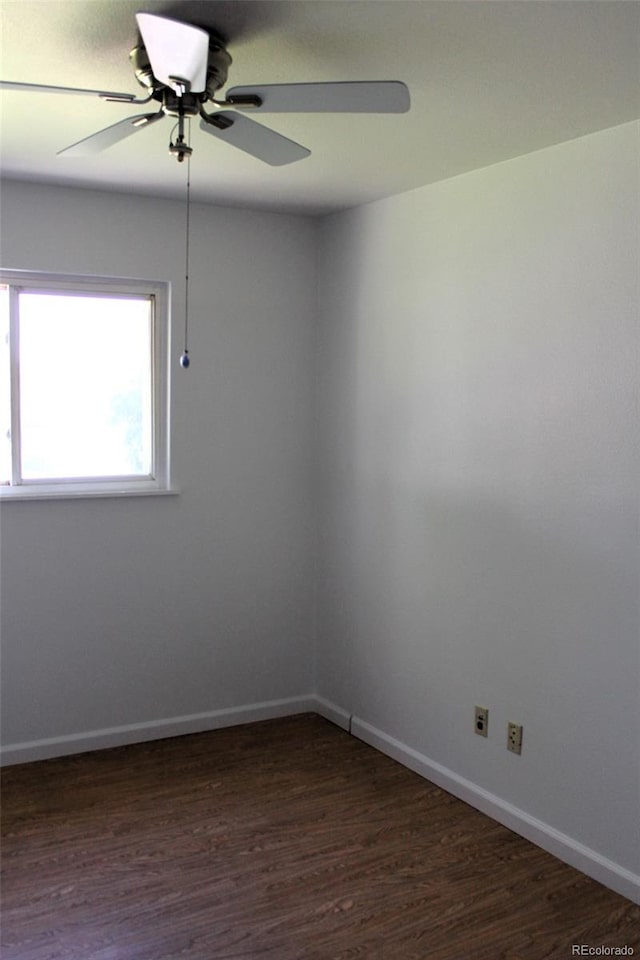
(83, 396)
(5, 389)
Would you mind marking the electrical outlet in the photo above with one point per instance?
(514, 738)
(482, 721)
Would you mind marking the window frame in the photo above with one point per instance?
(159, 479)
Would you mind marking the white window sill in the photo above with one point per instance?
(81, 492)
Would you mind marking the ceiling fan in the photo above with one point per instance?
(183, 67)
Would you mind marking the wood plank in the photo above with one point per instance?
(282, 840)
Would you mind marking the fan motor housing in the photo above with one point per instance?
(219, 61)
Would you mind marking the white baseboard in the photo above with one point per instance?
(567, 849)
(331, 711)
(563, 847)
(154, 730)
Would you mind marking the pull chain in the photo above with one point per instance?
(184, 359)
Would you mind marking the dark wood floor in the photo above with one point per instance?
(284, 840)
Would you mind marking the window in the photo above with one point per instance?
(83, 386)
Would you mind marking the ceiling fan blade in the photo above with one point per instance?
(176, 51)
(99, 141)
(39, 88)
(369, 96)
(253, 138)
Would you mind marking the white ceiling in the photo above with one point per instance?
(489, 80)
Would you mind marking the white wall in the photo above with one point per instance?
(476, 470)
(479, 479)
(133, 611)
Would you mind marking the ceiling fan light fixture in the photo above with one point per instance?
(175, 49)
